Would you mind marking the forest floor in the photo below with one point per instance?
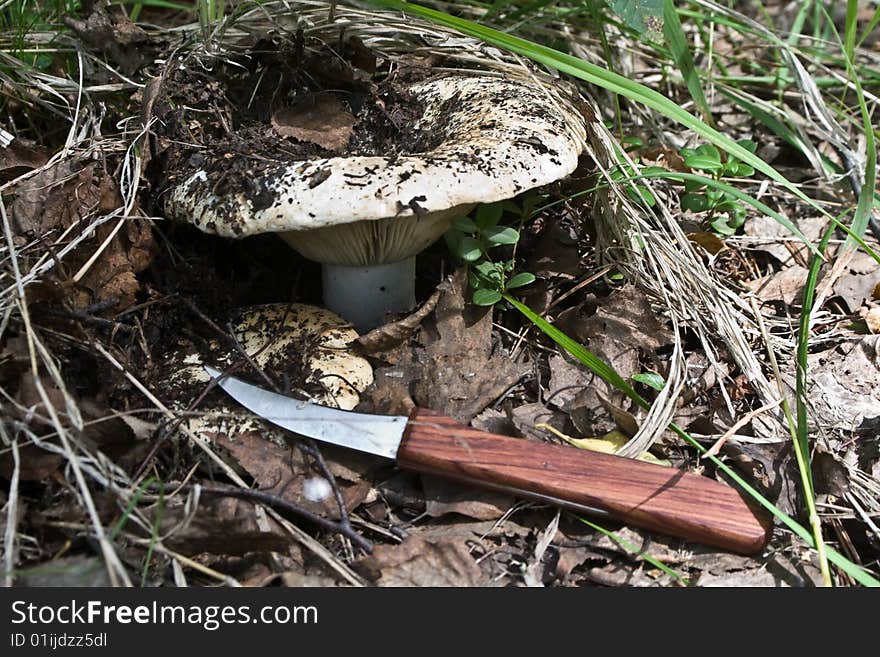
(119, 465)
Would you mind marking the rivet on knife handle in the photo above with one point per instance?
(645, 495)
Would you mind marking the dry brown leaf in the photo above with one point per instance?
(54, 198)
(618, 329)
(68, 192)
(567, 379)
(845, 383)
(460, 373)
(786, 285)
(323, 120)
(554, 253)
(443, 497)
(775, 570)
(422, 563)
(389, 394)
(872, 318)
(111, 31)
(772, 468)
(772, 237)
(359, 56)
(20, 157)
(103, 430)
(526, 417)
(710, 242)
(617, 324)
(494, 422)
(223, 525)
(858, 283)
(114, 275)
(830, 474)
(664, 157)
(392, 335)
(285, 473)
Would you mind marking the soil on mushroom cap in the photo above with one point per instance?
(221, 120)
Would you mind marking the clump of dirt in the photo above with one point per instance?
(250, 114)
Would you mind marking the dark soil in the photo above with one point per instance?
(221, 119)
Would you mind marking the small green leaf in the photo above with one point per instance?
(486, 297)
(737, 217)
(703, 162)
(748, 144)
(518, 280)
(643, 16)
(468, 249)
(720, 226)
(465, 225)
(710, 151)
(632, 143)
(651, 379)
(738, 169)
(641, 194)
(715, 196)
(492, 272)
(695, 202)
(501, 235)
(488, 215)
(691, 185)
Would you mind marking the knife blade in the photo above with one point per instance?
(654, 497)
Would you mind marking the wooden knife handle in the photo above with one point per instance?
(643, 494)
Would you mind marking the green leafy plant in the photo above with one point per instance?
(472, 238)
(637, 193)
(726, 212)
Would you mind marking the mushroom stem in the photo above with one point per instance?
(363, 295)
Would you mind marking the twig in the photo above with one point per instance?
(279, 503)
(9, 543)
(344, 520)
(748, 417)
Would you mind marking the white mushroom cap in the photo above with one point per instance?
(494, 139)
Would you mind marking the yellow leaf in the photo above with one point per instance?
(610, 443)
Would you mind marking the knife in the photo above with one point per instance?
(646, 495)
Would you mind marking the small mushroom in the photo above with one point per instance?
(305, 345)
(366, 217)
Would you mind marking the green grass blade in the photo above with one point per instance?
(869, 27)
(802, 438)
(609, 80)
(129, 508)
(681, 54)
(758, 205)
(154, 536)
(850, 27)
(634, 549)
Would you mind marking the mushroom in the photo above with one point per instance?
(309, 345)
(366, 217)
